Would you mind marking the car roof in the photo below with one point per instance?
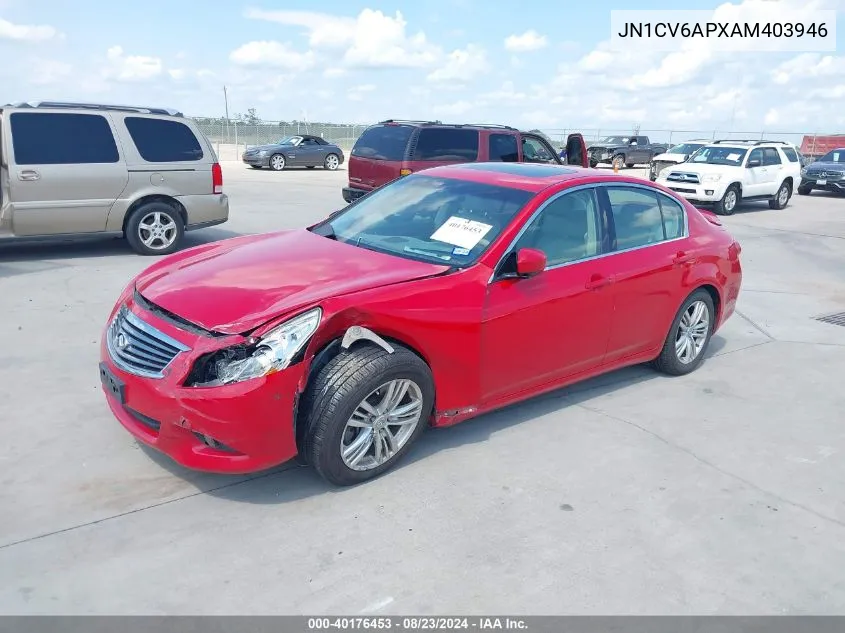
(532, 177)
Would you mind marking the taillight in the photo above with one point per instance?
(405, 172)
(217, 178)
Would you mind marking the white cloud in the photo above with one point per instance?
(371, 40)
(526, 42)
(334, 72)
(123, 67)
(45, 72)
(271, 54)
(27, 32)
(461, 66)
(358, 93)
(456, 109)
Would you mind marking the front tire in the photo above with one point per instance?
(727, 205)
(155, 228)
(594, 163)
(781, 198)
(365, 409)
(688, 338)
(332, 162)
(804, 191)
(277, 162)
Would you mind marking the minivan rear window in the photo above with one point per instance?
(383, 142)
(162, 141)
(443, 143)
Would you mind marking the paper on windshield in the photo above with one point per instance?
(734, 157)
(461, 232)
(835, 157)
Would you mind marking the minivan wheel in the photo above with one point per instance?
(365, 409)
(155, 228)
(277, 162)
(332, 162)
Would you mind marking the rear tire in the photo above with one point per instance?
(781, 199)
(689, 336)
(350, 383)
(618, 161)
(332, 162)
(155, 228)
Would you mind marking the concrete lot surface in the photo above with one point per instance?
(719, 492)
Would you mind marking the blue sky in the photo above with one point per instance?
(358, 61)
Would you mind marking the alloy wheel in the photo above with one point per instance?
(381, 425)
(157, 231)
(692, 332)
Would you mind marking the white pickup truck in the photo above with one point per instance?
(724, 173)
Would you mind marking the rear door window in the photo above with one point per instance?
(439, 143)
(62, 139)
(771, 156)
(637, 220)
(163, 141)
(503, 148)
(791, 154)
(383, 142)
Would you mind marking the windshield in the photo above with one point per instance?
(836, 156)
(437, 220)
(619, 140)
(289, 140)
(719, 156)
(685, 148)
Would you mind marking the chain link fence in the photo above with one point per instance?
(231, 138)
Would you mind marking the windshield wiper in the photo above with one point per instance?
(427, 253)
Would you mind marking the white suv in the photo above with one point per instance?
(723, 173)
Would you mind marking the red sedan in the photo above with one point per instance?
(441, 296)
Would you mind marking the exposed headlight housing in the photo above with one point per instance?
(712, 178)
(803, 171)
(266, 355)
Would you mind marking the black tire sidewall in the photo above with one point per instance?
(327, 458)
(721, 206)
(135, 219)
(668, 361)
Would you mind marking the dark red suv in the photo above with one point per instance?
(393, 148)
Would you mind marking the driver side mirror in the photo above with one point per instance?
(754, 162)
(333, 213)
(530, 262)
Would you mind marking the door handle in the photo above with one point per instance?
(681, 258)
(28, 174)
(598, 281)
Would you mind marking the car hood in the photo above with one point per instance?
(603, 145)
(703, 168)
(268, 147)
(237, 285)
(675, 158)
(820, 166)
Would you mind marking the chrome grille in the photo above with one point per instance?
(139, 348)
(681, 176)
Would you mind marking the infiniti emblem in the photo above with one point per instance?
(121, 341)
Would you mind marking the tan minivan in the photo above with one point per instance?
(73, 169)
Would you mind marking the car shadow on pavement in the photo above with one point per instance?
(82, 247)
(291, 481)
